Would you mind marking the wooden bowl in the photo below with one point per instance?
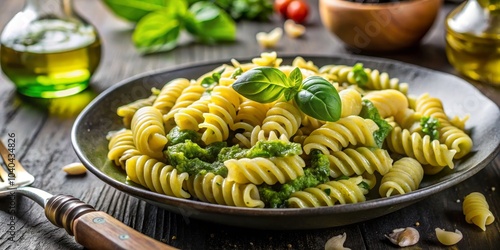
(379, 27)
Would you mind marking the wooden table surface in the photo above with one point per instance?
(43, 145)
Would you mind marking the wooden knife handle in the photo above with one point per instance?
(95, 229)
(99, 230)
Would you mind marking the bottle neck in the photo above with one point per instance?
(50, 8)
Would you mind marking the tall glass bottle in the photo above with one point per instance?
(473, 40)
(47, 50)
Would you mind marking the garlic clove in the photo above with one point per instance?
(336, 242)
(448, 238)
(404, 237)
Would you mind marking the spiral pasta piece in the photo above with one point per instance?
(477, 211)
(328, 194)
(127, 111)
(376, 80)
(333, 136)
(157, 176)
(191, 116)
(351, 102)
(219, 190)
(169, 94)
(380, 81)
(405, 176)
(119, 142)
(188, 96)
(423, 149)
(453, 137)
(148, 132)
(250, 114)
(388, 102)
(221, 114)
(301, 63)
(270, 59)
(358, 161)
(265, 170)
(284, 118)
(249, 139)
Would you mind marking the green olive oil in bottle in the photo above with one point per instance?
(473, 40)
(48, 51)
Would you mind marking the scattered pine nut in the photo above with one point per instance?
(75, 168)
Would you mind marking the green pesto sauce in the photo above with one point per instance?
(176, 136)
(190, 157)
(317, 172)
(369, 111)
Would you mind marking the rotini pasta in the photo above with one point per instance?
(284, 118)
(388, 102)
(218, 190)
(333, 136)
(148, 132)
(423, 149)
(200, 139)
(221, 114)
(119, 142)
(405, 176)
(127, 111)
(476, 210)
(265, 170)
(359, 160)
(453, 137)
(169, 94)
(157, 176)
(330, 193)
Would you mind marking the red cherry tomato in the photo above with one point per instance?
(297, 10)
(280, 6)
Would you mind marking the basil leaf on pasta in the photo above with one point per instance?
(369, 111)
(262, 84)
(319, 99)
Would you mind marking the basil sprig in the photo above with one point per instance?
(315, 96)
(160, 22)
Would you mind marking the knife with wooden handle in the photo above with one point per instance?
(95, 229)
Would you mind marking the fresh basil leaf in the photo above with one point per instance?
(211, 24)
(210, 81)
(290, 93)
(237, 72)
(262, 84)
(319, 99)
(360, 75)
(369, 111)
(134, 10)
(157, 31)
(295, 78)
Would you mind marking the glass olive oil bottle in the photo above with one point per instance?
(48, 51)
(473, 40)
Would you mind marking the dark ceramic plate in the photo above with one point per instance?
(459, 98)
